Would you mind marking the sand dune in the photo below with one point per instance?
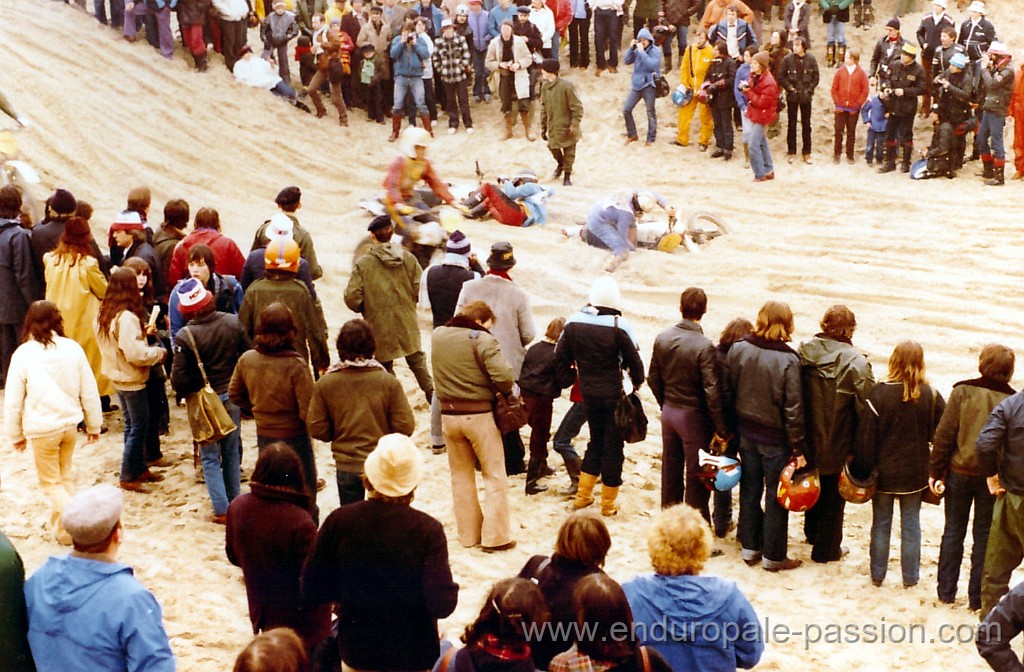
(934, 261)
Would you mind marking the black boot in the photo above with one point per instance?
(908, 155)
(201, 63)
(988, 169)
(572, 466)
(566, 181)
(534, 472)
(890, 160)
(997, 177)
(558, 171)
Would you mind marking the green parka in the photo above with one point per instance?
(561, 113)
(384, 286)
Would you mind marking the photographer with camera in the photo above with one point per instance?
(409, 52)
(997, 82)
(646, 61)
(953, 90)
(906, 82)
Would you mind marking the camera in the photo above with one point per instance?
(744, 85)
(411, 39)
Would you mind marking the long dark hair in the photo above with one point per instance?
(602, 608)
(42, 321)
(122, 295)
(512, 606)
(279, 466)
(140, 267)
(72, 246)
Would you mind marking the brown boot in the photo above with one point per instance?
(510, 122)
(396, 127)
(425, 120)
(525, 116)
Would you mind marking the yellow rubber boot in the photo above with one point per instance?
(608, 506)
(585, 492)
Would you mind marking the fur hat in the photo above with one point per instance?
(91, 515)
(128, 220)
(280, 226)
(288, 196)
(395, 467)
(62, 202)
(502, 257)
(605, 292)
(458, 243)
(893, 23)
(192, 296)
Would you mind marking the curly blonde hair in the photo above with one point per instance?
(679, 542)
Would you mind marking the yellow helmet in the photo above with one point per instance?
(282, 254)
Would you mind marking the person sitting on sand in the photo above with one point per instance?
(259, 73)
(611, 223)
(519, 201)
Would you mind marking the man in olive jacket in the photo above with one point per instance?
(561, 113)
(837, 379)
(384, 287)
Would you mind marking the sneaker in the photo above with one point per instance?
(451, 131)
(470, 130)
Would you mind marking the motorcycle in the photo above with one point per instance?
(19, 174)
(657, 231)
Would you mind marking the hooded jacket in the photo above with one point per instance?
(227, 258)
(87, 614)
(384, 287)
(684, 606)
(646, 62)
(837, 379)
(968, 409)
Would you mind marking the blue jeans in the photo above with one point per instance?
(556, 44)
(568, 429)
(613, 236)
(221, 463)
(961, 493)
(480, 87)
(350, 487)
(283, 90)
(835, 32)
(413, 85)
(876, 145)
(632, 98)
(606, 38)
(762, 530)
(910, 535)
(135, 410)
(760, 156)
(990, 133)
(666, 48)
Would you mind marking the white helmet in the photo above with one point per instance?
(413, 137)
(646, 200)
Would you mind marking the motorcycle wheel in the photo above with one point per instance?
(703, 227)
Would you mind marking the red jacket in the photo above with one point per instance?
(228, 259)
(404, 174)
(763, 95)
(562, 9)
(849, 91)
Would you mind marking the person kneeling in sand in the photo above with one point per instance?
(519, 201)
(611, 223)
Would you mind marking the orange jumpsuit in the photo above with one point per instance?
(1017, 112)
(692, 70)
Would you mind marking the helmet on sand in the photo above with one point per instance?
(682, 95)
(669, 242)
(282, 254)
(413, 137)
(721, 472)
(856, 490)
(798, 491)
(919, 170)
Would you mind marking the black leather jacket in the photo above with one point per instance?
(998, 87)
(220, 340)
(684, 372)
(762, 383)
(1000, 446)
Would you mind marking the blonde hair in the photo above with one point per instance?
(774, 322)
(906, 365)
(679, 541)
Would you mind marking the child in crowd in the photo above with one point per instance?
(278, 29)
(369, 77)
(873, 115)
(540, 389)
(305, 58)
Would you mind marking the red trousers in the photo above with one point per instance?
(501, 207)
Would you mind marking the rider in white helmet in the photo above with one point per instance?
(405, 172)
(611, 223)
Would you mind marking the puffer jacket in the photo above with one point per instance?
(646, 62)
(969, 407)
(799, 77)
(384, 287)
(220, 340)
(763, 99)
(762, 384)
(998, 87)
(684, 372)
(457, 376)
(679, 12)
(126, 356)
(895, 437)
(600, 352)
(837, 379)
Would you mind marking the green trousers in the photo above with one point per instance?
(1005, 550)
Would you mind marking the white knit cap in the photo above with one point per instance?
(605, 292)
(395, 467)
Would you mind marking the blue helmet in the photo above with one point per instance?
(682, 95)
(722, 472)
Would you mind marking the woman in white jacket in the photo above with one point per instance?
(50, 390)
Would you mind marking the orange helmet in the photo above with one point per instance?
(282, 254)
(856, 490)
(798, 492)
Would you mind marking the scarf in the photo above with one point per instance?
(462, 322)
(500, 274)
(492, 645)
(361, 364)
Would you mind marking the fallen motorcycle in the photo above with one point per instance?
(19, 174)
(657, 231)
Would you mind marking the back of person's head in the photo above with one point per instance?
(478, 311)
(510, 610)
(84, 210)
(996, 362)
(583, 538)
(554, 329)
(208, 218)
(203, 253)
(906, 365)
(42, 321)
(356, 341)
(774, 322)
(693, 303)
(139, 199)
(279, 466)
(603, 612)
(679, 541)
(275, 329)
(289, 198)
(276, 650)
(839, 322)
(737, 329)
(10, 202)
(176, 213)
